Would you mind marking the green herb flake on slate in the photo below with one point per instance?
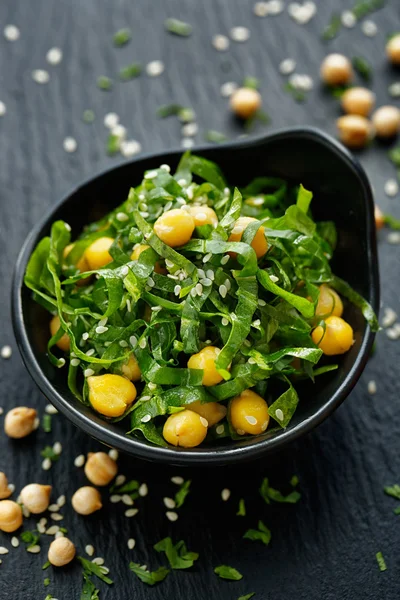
(48, 452)
(178, 27)
(298, 95)
(46, 423)
(46, 565)
(268, 493)
(363, 67)
(365, 7)
(183, 113)
(46, 582)
(104, 83)
(178, 556)
(91, 568)
(251, 82)
(130, 72)
(241, 509)
(294, 481)
(113, 144)
(247, 596)
(333, 28)
(31, 538)
(181, 494)
(149, 577)
(381, 561)
(89, 590)
(393, 490)
(397, 510)
(216, 137)
(225, 572)
(262, 534)
(122, 37)
(88, 116)
(126, 488)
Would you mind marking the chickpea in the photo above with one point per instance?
(100, 468)
(174, 227)
(354, 131)
(358, 101)
(137, 251)
(337, 339)
(203, 215)
(249, 413)
(379, 218)
(131, 369)
(20, 422)
(110, 394)
(329, 302)
(36, 497)
(82, 264)
(245, 102)
(97, 254)
(64, 342)
(5, 491)
(205, 359)
(211, 411)
(336, 69)
(61, 552)
(86, 500)
(186, 429)
(10, 516)
(386, 121)
(393, 49)
(259, 243)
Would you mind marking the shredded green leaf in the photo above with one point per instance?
(46, 423)
(363, 67)
(268, 493)
(104, 83)
(393, 490)
(48, 452)
(122, 37)
(225, 572)
(178, 27)
(130, 72)
(216, 137)
(151, 578)
(247, 596)
(88, 116)
(381, 561)
(262, 534)
(241, 508)
(178, 556)
(182, 493)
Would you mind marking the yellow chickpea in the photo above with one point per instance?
(97, 254)
(259, 243)
(245, 102)
(329, 302)
(379, 218)
(36, 497)
(337, 339)
(61, 552)
(186, 429)
(5, 491)
(249, 413)
(86, 500)
(174, 227)
(64, 342)
(393, 49)
(386, 121)
(131, 369)
(82, 264)
(205, 359)
(354, 131)
(10, 516)
(358, 101)
(137, 251)
(100, 468)
(110, 394)
(213, 412)
(203, 215)
(20, 422)
(336, 69)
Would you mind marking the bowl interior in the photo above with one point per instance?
(341, 193)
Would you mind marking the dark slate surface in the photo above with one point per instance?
(322, 548)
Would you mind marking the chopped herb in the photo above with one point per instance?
(337, 91)
(122, 37)
(333, 28)
(262, 534)
(130, 72)
(149, 577)
(125, 488)
(393, 490)
(381, 561)
(226, 572)
(46, 582)
(181, 494)
(269, 493)
(46, 423)
(113, 144)
(214, 136)
(91, 568)
(365, 7)
(89, 590)
(397, 511)
(46, 565)
(178, 555)
(363, 68)
(247, 596)
(31, 538)
(88, 116)
(183, 113)
(251, 82)
(294, 481)
(298, 95)
(104, 83)
(178, 27)
(48, 452)
(241, 509)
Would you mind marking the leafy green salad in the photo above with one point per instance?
(187, 307)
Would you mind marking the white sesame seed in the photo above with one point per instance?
(193, 292)
(14, 542)
(224, 321)
(46, 464)
(187, 143)
(131, 543)
(251, 420)
(207, 257)
(275, 7)
(50, 409)
(131, 512)
(11, 33)
(142, 343)
(225, 494)
(121, 216)
(302, 13)
(394, 237)
(6, 352)
(261, 302)
(53, 508)
(33, 549)
(79, 461)
(130, 148)
(220, 42)
(348, 19)
(256, 323)
(391, 187)
(169, 502)
(3, 109)
(189, 129)
(70, 144)
(54, 56)
(372, 387)
(113, 453)
(166, 168)
(369, 28)
(56, 517)
(261, 9)
(392, 333)
(100, 329)
(115, 498)
(240, 431)
(222, 290)
(89, 549)
(36, 423)
(220, 429)
(252, 361)
(111, 120)
(43, 521)
(61, 501)
(57, 448)
(393, 89)
(177, 480)
(125, 270)
(59, 534)
(85, 336)
(119, 131)
(154, 68)
(287, 66)
(75, 362)
(143, 490)
(274, 278)
(301, 82)
(127, 500)
(41, 528)
(144, 398)
(206, 282)
(204, 422)
(228, 88)
(146, 419)
(150, 282)
(133, 341)
(239, 34)
(3, 550)
(171, 515)
(177, 290)
(199, 289)
(389, 317)
(279, 414)
(99, 560)
(11, 487)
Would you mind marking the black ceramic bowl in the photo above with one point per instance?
(341, 193)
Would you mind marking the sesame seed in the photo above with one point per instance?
(56, 517)
(177, 290)
(369, 28)
(193, 292)
(130, 148)
(251, 420)
(113, 453)
(119, 131)
(302, 14)
(150, 175)
(41, 528)
(145, 398)
(124, 270)
(52, 530)
(123, 344)
(392, 333)
(133, 341)
(348, 19)
(261, 302)
(33, 549)
(121, 216)
(3, 109)
(115, 498)
(99, 560)
(126, 499)
(70, 144)
(301, 82)
(143, 490)
(224, 321)
(3, 550)
(389, 317)
(199, 289)
(85, 336)
(59, 534)
(239, 34)
(89, 549)
(169, 502)
(146, 418)
(274, 278)
(88, 372)
(204, 422)
(287, 66)
(75, 362)
(6, 352)
(394, 237)
(11, 487)
(171, 515)
(220, 429)
(177, 480)
(80, 460)
(225, 494)
(206, 282)
(220, 42)
(11, 33)
(261, 9)
(131, 543)
(102, 322)
(142, 343)
(393, 89)
(156, 308)
(154, 68)
(131, 512)
(54, 56)
(111, 120)
(46, 464)
(187, 143)
(279, 414)
(225, 259)
(264, 426)
(165, 167)
(207, 257)
(391, 187)
(100, 329)
(252, 361)
(53, 508)
(57, 448)
(150, 282)
(189, 129)
(222, 290)
(228, 88)
(14, 542)
(275, 7)
(372, 387)
(43, 521)
(50, 409)
(61, 500)
(256, 323)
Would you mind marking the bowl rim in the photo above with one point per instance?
(202, 456)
